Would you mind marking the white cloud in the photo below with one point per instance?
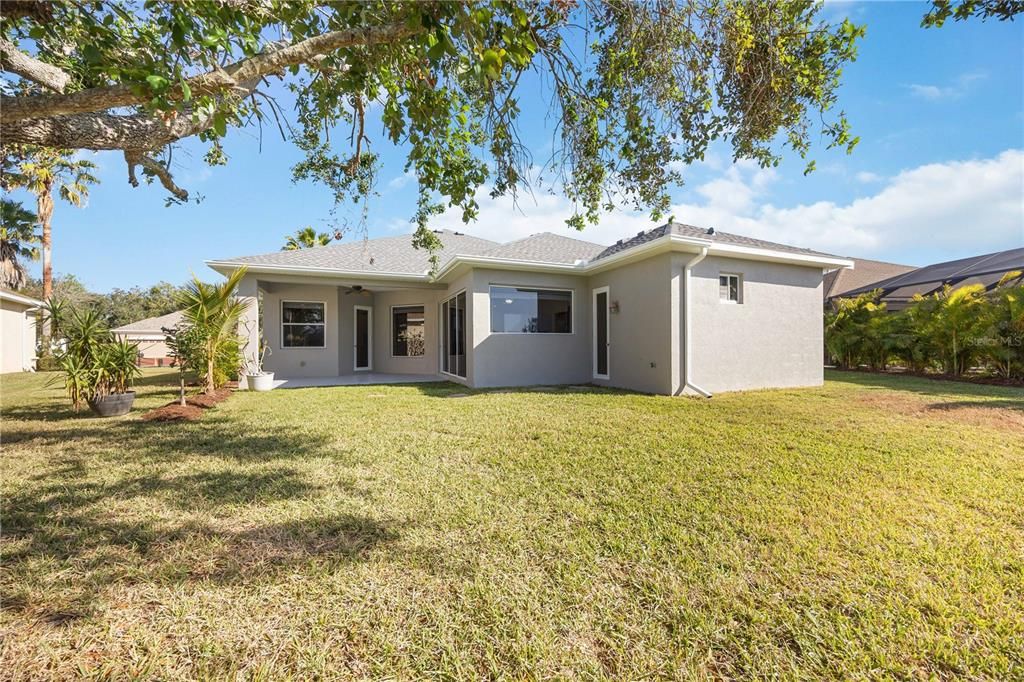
(402, 180)
(957, 207)
(868, 177)
(954, 90)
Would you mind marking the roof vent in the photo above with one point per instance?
(711, 230)
(460, 234)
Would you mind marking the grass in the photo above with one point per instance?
(870, 528)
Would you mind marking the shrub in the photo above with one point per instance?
(951, 330)
(94, 364)
(213, 312)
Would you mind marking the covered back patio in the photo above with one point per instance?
(328, 331)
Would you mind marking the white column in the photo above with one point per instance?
(249, 323)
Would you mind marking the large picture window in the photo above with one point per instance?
(408, 336)
(302, 324)
(522, 310)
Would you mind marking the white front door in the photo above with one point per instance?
(362, 343)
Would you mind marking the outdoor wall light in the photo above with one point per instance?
(614, 307)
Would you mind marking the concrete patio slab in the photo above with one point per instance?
(360, 379)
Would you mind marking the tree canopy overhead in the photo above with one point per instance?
(639, 89)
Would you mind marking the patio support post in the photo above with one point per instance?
(249, 324)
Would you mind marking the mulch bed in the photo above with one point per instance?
(191, 411)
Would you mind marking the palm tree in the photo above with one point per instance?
(17, 235)
(40, 170)
(956, 320)
(306, 238)
(214, 311)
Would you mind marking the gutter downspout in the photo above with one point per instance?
(26, 363)
(687, 345)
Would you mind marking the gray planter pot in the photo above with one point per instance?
(113, 405)
(261, 382)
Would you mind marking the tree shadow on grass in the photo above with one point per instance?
(161, 442)
(997, 404)
(925, 386)
(66, 541)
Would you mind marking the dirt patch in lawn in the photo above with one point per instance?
(174, 412)
(191, 410)
(206, 400)
(1006, 415)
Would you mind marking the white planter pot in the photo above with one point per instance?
(261, 382)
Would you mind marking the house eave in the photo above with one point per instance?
(227, 267)
(18, 298)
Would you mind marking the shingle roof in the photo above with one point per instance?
(547, 247)
(150, 325)
(702, 233)
(384, 255)
(396, 255)
(864, 272)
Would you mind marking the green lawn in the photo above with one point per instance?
(871, 528)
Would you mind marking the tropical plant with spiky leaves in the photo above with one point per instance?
(215, 311)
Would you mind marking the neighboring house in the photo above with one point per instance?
(898, 291)
(676, 309)
(17, 332)
(148, 333)
(864, 272)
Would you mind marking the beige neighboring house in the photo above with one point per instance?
(674, 310)
(148, 333)
(18, 332)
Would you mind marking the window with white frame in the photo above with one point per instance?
(730, 288)
(302, 324)
(522, 310)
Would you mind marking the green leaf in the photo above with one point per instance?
(157, 83)
(220, 124)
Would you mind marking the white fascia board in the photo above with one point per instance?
(771, 255)
(18, 298)
(225, 267)
(508, 264)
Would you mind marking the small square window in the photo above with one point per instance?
(729, 288)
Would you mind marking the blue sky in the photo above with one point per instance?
(939, 174)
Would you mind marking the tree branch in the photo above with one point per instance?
(103, 131)
(17, 62)
(18, 9)
(213, 82)
(148, 163)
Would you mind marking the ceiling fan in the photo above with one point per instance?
(358, 289)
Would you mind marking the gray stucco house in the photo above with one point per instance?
(674, 310)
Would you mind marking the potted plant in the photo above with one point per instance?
(256, 378)
(98, 370)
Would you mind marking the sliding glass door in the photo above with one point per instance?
(453, 336)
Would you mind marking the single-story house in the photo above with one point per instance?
(148, 333)
(676, 309)
(841, 281)
(18, 332)
(898, 291)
